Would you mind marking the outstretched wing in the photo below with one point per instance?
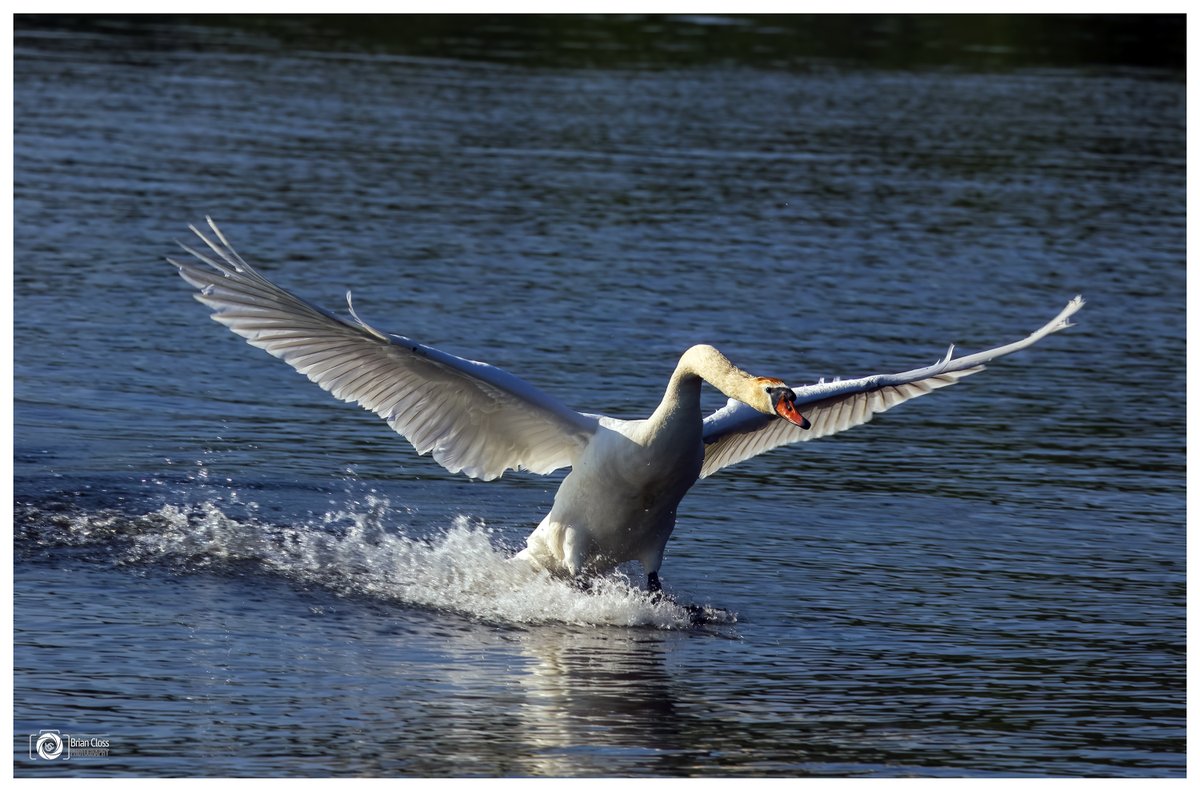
(737, 431)
(472, 417)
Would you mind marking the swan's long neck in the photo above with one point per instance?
(708, 364)
(702, 362)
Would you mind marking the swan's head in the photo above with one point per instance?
(779, 399)
(765, 394)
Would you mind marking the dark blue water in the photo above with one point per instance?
(222, 571)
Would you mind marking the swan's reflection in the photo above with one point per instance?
(606, 689)
(550, 699)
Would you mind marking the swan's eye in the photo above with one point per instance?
(779, 394)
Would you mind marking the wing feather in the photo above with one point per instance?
(472, 417)
(737, 431)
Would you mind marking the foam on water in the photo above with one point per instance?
(355, 552)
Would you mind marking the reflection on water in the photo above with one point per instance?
(588, 688)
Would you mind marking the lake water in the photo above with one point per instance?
(220, 570)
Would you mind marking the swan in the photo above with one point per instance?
(618, 502)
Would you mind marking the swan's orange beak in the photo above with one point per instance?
(785, 408)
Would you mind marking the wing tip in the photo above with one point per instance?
(1063, 320)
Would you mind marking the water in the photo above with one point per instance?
(222, 571)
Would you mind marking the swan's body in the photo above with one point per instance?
(627, 478)
(618, 502)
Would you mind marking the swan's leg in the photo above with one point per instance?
(651, 562)
(655, 590)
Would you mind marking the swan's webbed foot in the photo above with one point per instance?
(698, 614)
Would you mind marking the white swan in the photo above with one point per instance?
(627, 477)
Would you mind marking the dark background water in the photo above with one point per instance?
(225, 572)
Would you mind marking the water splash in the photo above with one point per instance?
(358, 551)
